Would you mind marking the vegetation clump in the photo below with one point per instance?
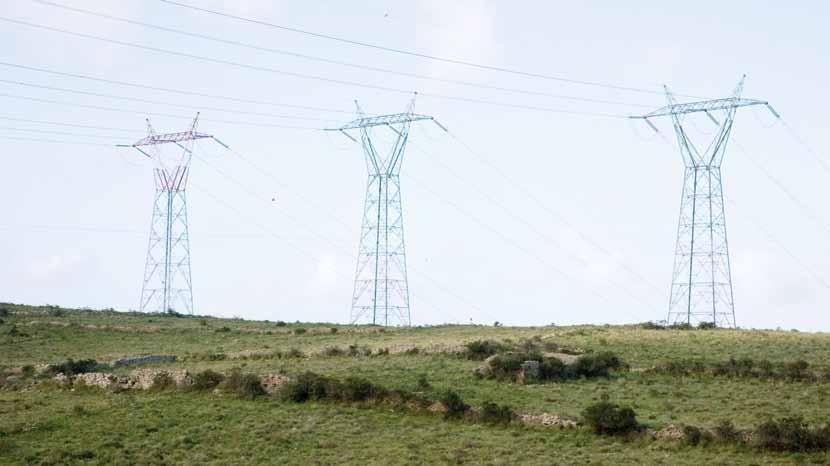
(163, 382)
(244, 385)
(606, 418)
(207, 380)
(492, 413)
(507, 366)
(455, 406)
(482, 349)
(72, 367)
(792, 434)
(794, 371)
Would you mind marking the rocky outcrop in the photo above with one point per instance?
(274, 382)
(548, 420)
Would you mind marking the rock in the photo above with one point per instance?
(157, 358)
(485, 370)
(437, 407)
(62, 379)
(273, 382)
(670, 432)
(545, 419)
(95, 379)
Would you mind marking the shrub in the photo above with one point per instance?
(295, 353)
(163, 382)
(423, 383)
(333, 351)
(28, 370)
(797, 370)
(207, 380)
(299, 331)
(554, 369)
(651, 326)
(357, 389)
(5, 311)
(412, 351)
(482, 349)
(280, 323)
(56, 312)
(223, 329)
(382, 352)
(491, 413)
(71, 367)
(333, 330)
(307, 386)
(607, 418)
(596, 365)
(692, 435)
(706, 326)
(725, 432)
(792, 434)
(507, 365)
(247, 386)
(456, 408)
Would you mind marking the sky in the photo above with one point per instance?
(534, 209)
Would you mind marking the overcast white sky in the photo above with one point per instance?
(75, 218)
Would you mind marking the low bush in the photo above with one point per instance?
(207, 380)
(72, 367)
(482, 349)
(422, 384)
(792, 434)
(307, 386)
(295, 353)
(492, 413)
(726, 432)
(706, 326)
(5, 311)
(356, 389)
(607, 418)
(247, 386)
(223, 329)
(299, 331)
(597, 365)
(163, 382)
(333, 330)
(797, 370)
(651, 326)
(456, 408)
(280, 323)
(692, 435)
(333, 351)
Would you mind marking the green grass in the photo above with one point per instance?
(50, 426)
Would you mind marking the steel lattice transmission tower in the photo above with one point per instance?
(381, 288)
(701, 288)
(167, 282)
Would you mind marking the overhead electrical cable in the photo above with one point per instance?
(314, 77)
(169, 90)
(72, 125)
(340, 62)
(157, 102)
(423, 55)
(135, 112)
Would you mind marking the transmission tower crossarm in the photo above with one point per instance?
(381, 120)
(703, 106)
(168, 138)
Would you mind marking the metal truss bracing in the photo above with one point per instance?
(168, 284)
(381, 288)
(701, 288)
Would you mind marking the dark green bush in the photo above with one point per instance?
(692, 435)
(792, 434)
(726, 432)
(491, 413)
(163, 382)
(482, 349)
(5, 311)
(294, 353)
(247, 386)
(706, 326)
(207, 380)
(71, 367)
(299, 331)
(28, 370)
(333, 351)
(280, 323)
(607, 418)
(456, 408)
(422, 384)
(596, 365)
(651, 326)
(223, 329)
(333, 330)
(797, 370)
(307, 386)
(357, 389)
(554, 369)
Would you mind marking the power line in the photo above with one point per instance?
(337, 62)
(169, 90)
(312, 77)
(157, 102)
(134, 112)
(57, 123)
(54, 141)
(421, 55)
(63, 133)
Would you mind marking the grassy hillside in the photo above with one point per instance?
(43, 424)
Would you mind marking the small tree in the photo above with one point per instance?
(607, 418)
